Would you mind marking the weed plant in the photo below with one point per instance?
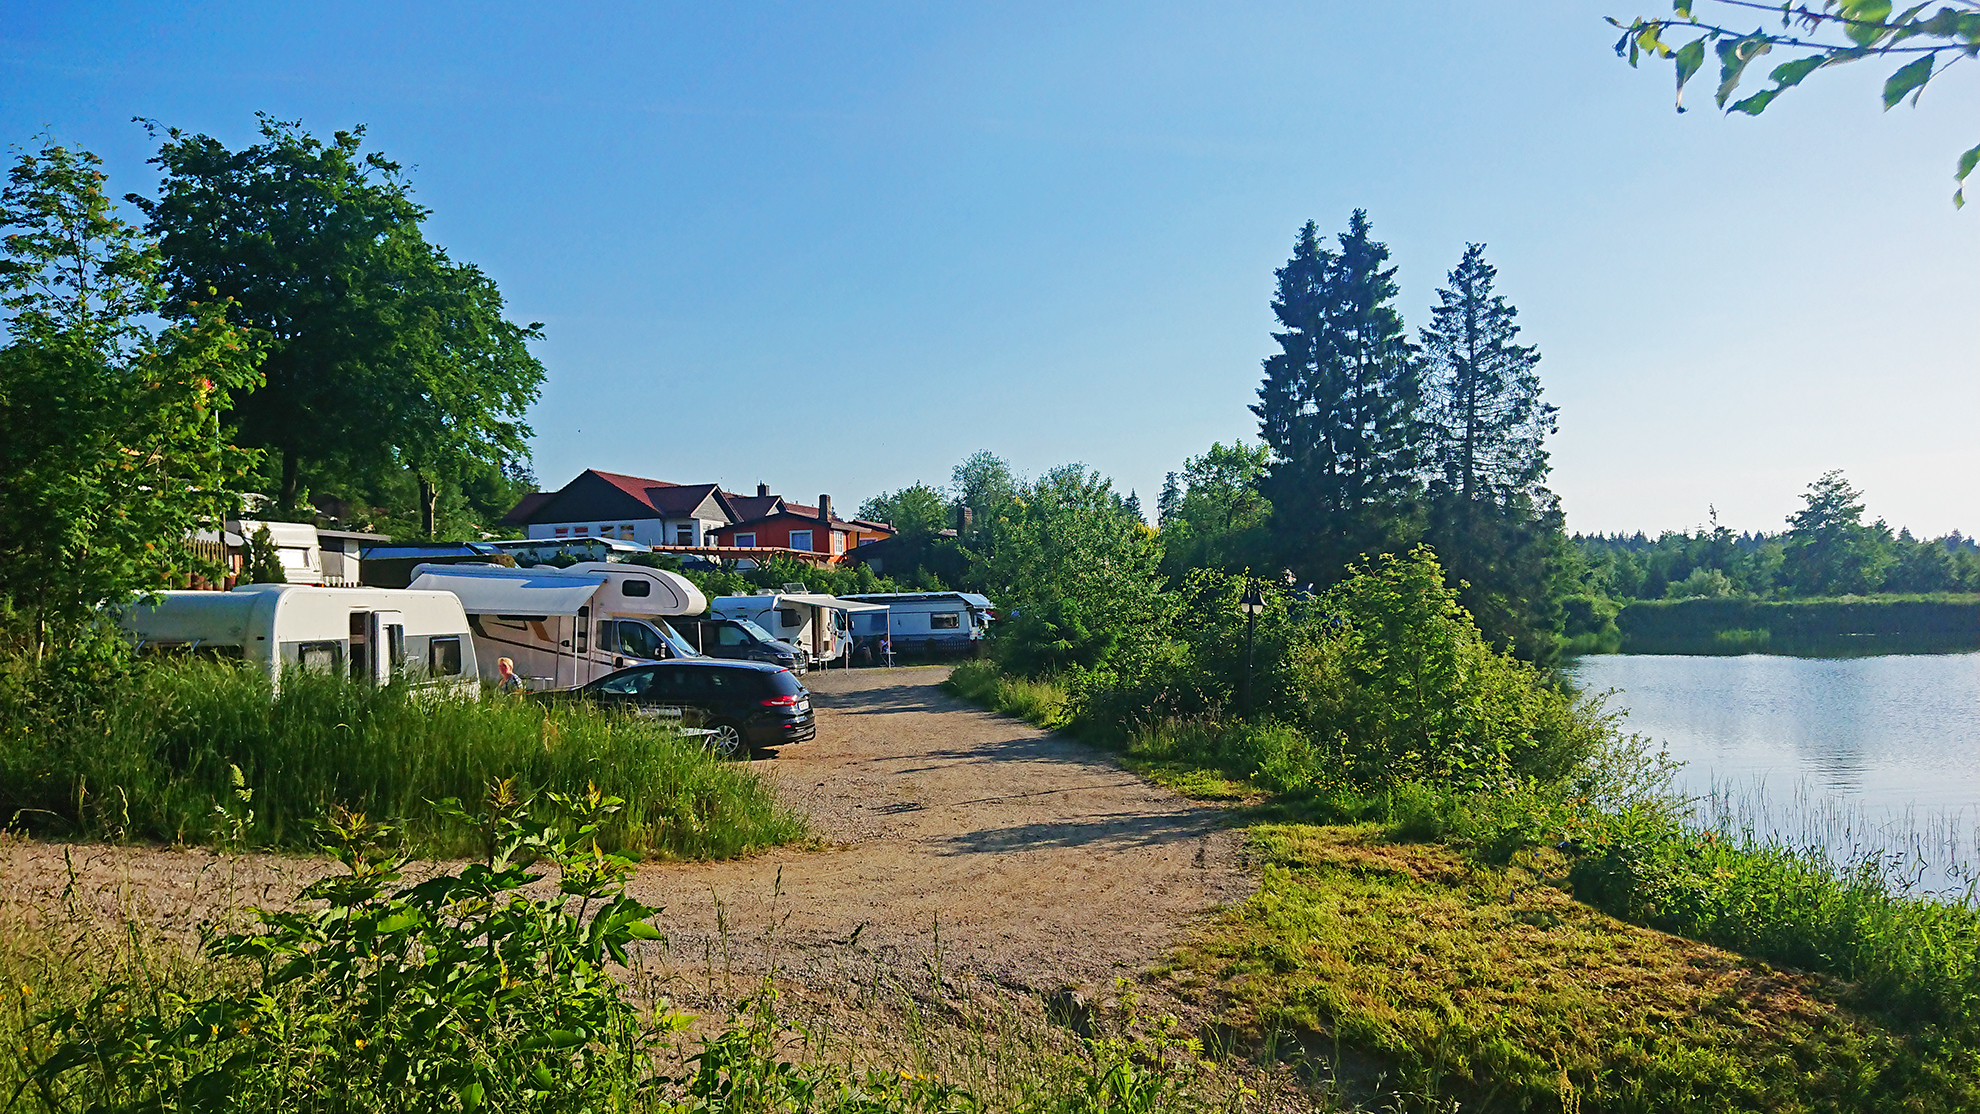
(155, 753)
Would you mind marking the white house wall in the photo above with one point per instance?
(645, 531)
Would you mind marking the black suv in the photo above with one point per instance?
(742, 705)
(740, 638)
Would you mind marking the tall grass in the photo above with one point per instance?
(153, 756)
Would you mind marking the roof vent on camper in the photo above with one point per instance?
(796, 586)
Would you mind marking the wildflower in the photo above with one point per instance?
(27, 991)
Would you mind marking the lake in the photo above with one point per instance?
(1838, 750)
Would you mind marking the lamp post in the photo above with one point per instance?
(1251, 604)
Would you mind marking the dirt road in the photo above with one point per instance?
(1031, 860)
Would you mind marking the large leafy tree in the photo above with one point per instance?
(1926, 39)
(383, 353)
(1213, 514)
(1077, 578)
(111, 447)
(1337, 406)
(1497, 528)
(1830, 550)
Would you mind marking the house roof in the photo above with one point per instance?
(791, 511)
(748, 508)
(607, 495)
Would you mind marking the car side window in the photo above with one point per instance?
(731, 636)
(634, 683)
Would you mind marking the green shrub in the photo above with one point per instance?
(152, 756)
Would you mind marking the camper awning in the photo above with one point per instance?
(511, 594)
(819, 600)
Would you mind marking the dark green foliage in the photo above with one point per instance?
(151, 753)
(1338, 407)
(1826, 628)
(1829, 551)
(111, 449)
(263, 562)
(1213, 515)
(1075, 575)
(383, 353)
(1496, 527)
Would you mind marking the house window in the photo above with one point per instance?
(563, 531)
(838, 542)
(684, 534)
(747, 541)
(801, 539)
(583, 530)
(945, 620)
(625, 532)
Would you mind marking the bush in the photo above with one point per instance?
(154, 752)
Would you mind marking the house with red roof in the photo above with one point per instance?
(699, 517)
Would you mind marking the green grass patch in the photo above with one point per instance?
(1472, 983)
(152, 756)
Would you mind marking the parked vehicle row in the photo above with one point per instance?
(742, 705)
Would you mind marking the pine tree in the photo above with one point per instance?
(1497, 529)
(1337, 407)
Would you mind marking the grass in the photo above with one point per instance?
(153, 757)
(1470, 983)
(1589, 944)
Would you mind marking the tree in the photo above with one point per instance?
(1337, 406)
(983, 484)
(917, 512)
(1077, 578)
(1840, 32)
(1830, 552)
(1213, 514)
(1497, 528)
(382, 352)
(111, 448)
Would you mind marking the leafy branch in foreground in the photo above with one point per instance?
(1841, 31)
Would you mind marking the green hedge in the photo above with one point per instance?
(1828, 628)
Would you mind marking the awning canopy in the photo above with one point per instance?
(817, 599)
(510, 593)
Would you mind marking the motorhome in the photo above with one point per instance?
(931, 622)
(568, 627)
(813, 622)
(371, 634)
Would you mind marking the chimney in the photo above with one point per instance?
(824, 508)
(762, 491)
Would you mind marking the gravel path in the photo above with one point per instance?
(955, 839)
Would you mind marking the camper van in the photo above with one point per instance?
(931, 622)
(568, 627)
(812, 622)
(369, 634)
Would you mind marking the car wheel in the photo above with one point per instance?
(725, 739)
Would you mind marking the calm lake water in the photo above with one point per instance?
(1851, 751)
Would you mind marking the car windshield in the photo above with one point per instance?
(761, 634)
(674, 640)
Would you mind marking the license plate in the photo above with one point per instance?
(804, 706)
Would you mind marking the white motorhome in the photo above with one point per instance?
(811, 621)
(567, 627)
(371, 634)
(929, 622)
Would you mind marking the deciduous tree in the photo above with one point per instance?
(111, 447)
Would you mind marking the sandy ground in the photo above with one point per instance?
(953, 843)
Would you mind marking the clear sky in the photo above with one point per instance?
(836, 248)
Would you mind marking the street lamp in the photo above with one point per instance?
(1251, 605)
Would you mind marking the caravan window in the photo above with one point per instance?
(636, 587)
(320, 657)
(443, 657)
(788, 618)
(945, 620)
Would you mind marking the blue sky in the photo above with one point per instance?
(836, 248)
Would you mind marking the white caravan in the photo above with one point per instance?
(811, 621)
(931, 622)
(368, 634)
(567, 627)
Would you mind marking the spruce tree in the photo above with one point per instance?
(1497, 529)
(1337, 407)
